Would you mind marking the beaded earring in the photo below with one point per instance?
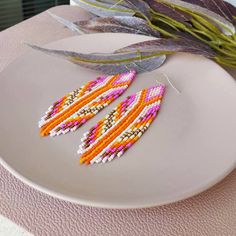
(77, 107)
(112, 136)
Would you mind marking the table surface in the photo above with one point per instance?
(209, 213)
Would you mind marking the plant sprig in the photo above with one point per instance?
(181, 23)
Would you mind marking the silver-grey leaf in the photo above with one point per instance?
(104, 8)
(111, 63)
(140, 66)
(69, 24)
(118, 24)
(140, 6)
(115, 2)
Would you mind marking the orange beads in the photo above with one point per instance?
(122, 127)
(74, 109)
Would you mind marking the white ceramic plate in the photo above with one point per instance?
(189, 147)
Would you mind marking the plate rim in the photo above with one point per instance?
(99, 204)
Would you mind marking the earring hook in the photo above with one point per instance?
(169, 82)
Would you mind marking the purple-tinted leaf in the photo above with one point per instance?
(117, 24)
(185, 35)
(169, 11)
(231, 8)
(218, 6)
(226, 26)
(171, 46)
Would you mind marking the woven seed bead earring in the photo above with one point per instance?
(112, 136)
(73, 110)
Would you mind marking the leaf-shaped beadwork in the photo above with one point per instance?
(122, 127)
(74, 109)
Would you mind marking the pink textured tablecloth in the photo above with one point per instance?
(210, 213)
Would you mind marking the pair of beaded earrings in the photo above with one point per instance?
(118, 130)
